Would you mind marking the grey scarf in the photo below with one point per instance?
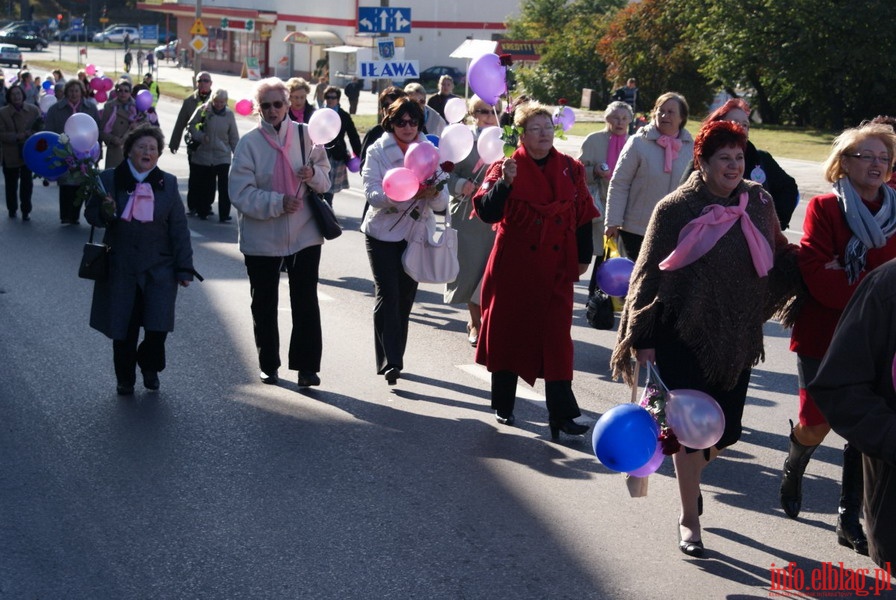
(868, 231)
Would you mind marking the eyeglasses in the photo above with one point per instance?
(331, 97)
(124, 90)
(540, 130)
(407, 123)
(870, 158)
(267, 105)
(482, 111)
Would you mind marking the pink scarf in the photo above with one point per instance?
(285, 180)
(614, 149)
(672, 146)
(141, 204)
(701, 234)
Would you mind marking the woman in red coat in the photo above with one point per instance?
(846, 234)
(543, 211)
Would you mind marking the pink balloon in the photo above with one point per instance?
(422, 159)
(652, 465)
(90, 70)
(96, 84)
(353, 164)
(101, 96)
(324, 126)
(108, 84)
(564, 117)
(455, 110)
(243, 107)
(400, 184)
(490, 145)
(488, 78)
(143, 100)
(695, 417)
(455, 143)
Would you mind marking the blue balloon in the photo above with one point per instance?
(433, 138)
(47, 84)
(39, 156)
(613, 276)
(625, 438)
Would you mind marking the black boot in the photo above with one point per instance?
(791, 493)
(849, 530)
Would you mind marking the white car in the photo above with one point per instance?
(117, 33)
(10, 55)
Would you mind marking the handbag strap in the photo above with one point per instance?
(90, 239)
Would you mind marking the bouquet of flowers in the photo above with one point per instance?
(654, 400)
(80, 164)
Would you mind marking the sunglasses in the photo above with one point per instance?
(276, 104)
(482, 111)
(124, 90)
(331, 97)
(407, 123)
(204, 80)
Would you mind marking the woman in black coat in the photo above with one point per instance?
(146, 228)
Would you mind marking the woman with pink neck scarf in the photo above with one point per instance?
(713, 269)
(600, 153)
(650, 166)
(151, 255)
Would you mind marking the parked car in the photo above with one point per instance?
(81, 35)
(429, 78)
(168, 50)
(117, 33)
(23, 40)
(10, 55)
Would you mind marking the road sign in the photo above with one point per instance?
(389, 69)
(199, 43)
(384, 19)
(198, 28)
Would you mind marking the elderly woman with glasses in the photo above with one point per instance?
(846, 234)
(474, 237)
(213, 125)
(433, 123)
(540, 204)
(119, 117)
(274, 166)
(386, 225)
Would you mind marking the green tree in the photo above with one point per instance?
(645, 40)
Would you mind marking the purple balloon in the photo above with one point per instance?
(143, 100)
(613, 276)
(652, 465)
(353, 164)
(564, 117)
(488, 78)
(695, 417)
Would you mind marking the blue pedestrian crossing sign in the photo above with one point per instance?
(384, 19)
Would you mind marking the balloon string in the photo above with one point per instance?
(654, 373)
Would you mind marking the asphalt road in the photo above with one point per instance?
(221, 487)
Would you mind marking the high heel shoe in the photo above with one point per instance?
(472, 335)
(567, 426)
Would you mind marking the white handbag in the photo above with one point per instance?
(431, 259)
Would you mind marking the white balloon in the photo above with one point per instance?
(455, 110)
(46, 102)
(490, 145)
(324, 126)
(82, 132)
(455, 143)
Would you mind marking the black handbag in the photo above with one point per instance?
(95, 260)
(323, 213)
(599, 311)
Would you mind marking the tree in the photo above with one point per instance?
(645, 40)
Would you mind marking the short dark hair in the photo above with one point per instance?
(332, 89)
(401, 107)
(141, 131)
(718, 134)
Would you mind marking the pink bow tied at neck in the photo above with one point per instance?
(672, 146)
(701, 234)
(141, 204)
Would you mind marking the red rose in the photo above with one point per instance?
(506, 60)
(41, 145)
(669, 442)
(447, 166)
(562, 101)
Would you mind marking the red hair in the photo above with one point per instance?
(718, 134)
(732, 104)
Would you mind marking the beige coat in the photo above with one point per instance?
(15, 127)
(118, 119)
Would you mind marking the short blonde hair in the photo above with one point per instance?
(525, 112)
(415, 88)
(846, 143)
(474, 100)
(297, 83)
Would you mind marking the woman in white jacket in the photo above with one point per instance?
(386, 225)
(213, 125)
(269, 179)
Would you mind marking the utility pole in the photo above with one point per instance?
(197, 56)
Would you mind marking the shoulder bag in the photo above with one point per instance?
(323, 213)
(430, 260)
(95, 260)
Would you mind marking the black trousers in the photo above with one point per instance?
(305, 342)
(193, 185)
(394, 293)
(127, 354)
(208, 181)
(560, 400)
(19, 187)
(68, 212)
